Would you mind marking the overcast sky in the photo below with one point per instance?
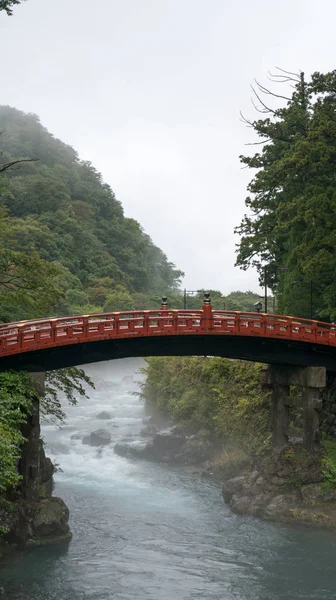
(150, 91)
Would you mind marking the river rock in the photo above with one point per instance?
(138, 450)
(104, 415)
(240, 504)
(100, 437)
(233, 486)
(37, 523)
(316, 494)
(311, 494)
(76, 436)
(280, 504)
(50, 519)
(148, 431)
(193, 452)
(167, 442)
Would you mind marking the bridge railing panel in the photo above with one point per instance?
(25, 336)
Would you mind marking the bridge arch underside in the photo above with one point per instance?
(271, 351)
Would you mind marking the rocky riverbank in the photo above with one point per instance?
(284, 486)
(287, 486)
(34, 522)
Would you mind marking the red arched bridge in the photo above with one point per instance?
(47, 344)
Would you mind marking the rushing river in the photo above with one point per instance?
(144, 531)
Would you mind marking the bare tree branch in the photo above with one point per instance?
(258, 143)
(245, 120)
(268, 92)
(267, 109)
(16, 162)
(297, 75)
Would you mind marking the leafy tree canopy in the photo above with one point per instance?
(291, 225)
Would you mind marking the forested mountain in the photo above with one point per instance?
(61, 213)
(290, 231)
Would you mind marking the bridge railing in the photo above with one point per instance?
(27, 336)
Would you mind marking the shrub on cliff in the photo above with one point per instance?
(16, 394)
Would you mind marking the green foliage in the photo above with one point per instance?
(329, 463)
(120, 300)
(7, 5)
(71, 382)
(28, 284)
(62, 216)
(292, 201)
(221, 396)
(230, 461)
(16, 393)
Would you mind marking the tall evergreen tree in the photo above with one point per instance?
(290, 233)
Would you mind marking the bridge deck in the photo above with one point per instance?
(29, 337)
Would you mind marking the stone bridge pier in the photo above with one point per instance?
(312, 380)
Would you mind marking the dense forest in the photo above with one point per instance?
(61, 220)
(289, 233)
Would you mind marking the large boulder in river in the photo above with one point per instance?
(104, 415)
(134, 450)
(166, 443)
(39, 522)
(100, 437)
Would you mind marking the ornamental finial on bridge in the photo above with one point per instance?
(207, 319)
(164, 305)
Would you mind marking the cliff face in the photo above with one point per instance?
(30, 515)
(36, 521)
(286, 486)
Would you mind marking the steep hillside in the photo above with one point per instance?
(60, 207)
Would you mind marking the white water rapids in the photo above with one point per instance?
(145, 531)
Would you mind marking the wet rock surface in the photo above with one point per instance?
(287, 487)
(99, 437)
(104, 415)
(167, 445)
(37, 523)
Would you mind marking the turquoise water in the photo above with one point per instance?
(149, 531)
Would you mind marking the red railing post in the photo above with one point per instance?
(207, 316)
